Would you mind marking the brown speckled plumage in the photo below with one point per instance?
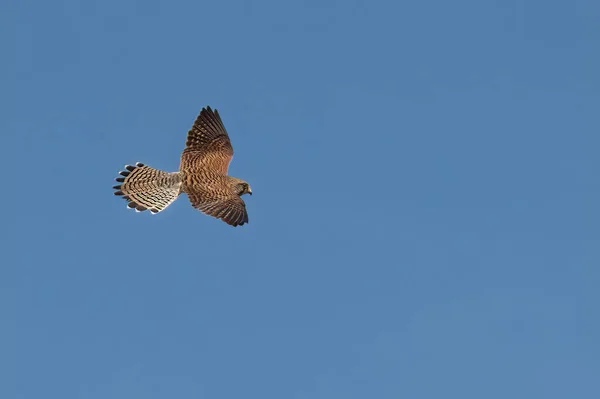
(202, 176)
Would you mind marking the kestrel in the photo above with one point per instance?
(202, 176)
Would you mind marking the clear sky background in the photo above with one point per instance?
(424, 221)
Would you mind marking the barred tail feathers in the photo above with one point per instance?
(145, 188)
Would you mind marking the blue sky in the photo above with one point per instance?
(424, 221)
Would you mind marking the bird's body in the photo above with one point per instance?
(203, 176)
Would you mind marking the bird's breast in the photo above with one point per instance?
(207, 182)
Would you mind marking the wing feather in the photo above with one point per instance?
(230, 209)
(208, 146)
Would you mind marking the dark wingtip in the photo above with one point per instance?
(130, 168)
(131, 205)
(124, 173)
(117, 187)
(209, 110)
(139, 164)
(118, 193)
(120, 179)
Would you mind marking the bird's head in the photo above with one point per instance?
(241, 187)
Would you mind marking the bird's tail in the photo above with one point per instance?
(147, 188)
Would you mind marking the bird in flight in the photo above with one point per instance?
(202, 176)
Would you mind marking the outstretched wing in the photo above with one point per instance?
(208, 146)
(229, 208)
